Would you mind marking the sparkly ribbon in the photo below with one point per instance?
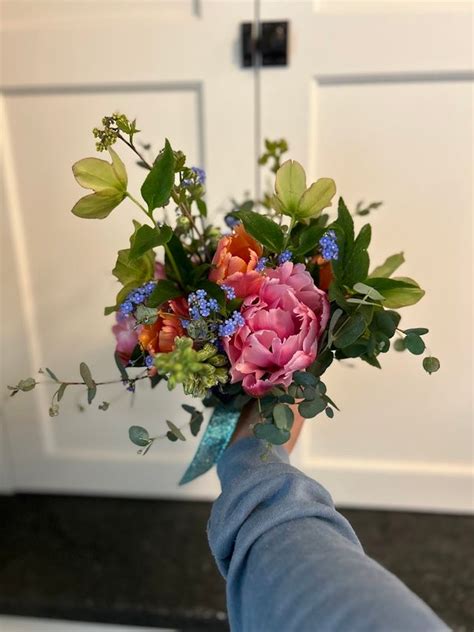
(216, 438)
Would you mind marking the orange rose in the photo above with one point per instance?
(159, 337)
(235, 260)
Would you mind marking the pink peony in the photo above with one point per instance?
(126, 337)
(283, 323)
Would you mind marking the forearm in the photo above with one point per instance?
(291, 561)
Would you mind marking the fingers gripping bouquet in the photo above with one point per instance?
(257, 313)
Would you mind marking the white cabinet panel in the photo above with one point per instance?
(381, 100)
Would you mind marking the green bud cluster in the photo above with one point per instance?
(197, 371)
(112, 127)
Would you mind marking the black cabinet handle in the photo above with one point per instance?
(270, 46)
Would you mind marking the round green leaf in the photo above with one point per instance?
(269, 432)
(431, 364)
(414, 344)
(139, 435)
(283, 417)
(26, 385)
(399, 344)
(310, 409)
(303, 378)
(329, 412)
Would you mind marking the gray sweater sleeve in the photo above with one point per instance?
(292, 562)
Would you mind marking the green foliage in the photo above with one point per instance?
(164, 291)
(399, 344)
(431, 364)
(274, 149)
(269, 432)
(294, 199)
(414, 344)
(178, 263)
(146, 315)
(175, 431)
(157, 187)
(352, 265)
(88, 381)
(389, 266)
(308, 240)
(107, 180)
(139, 436)
(146, 238)
(263, 229)
(365, 210)
(311, 408)
(353, 327)
(398, 292)
(283, 417)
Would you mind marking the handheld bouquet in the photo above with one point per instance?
(258, 312)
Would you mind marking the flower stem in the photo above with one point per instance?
(135, 150)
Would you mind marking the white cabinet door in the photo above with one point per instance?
(378, 95)
(65, 64)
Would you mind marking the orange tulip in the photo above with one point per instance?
(235, 260)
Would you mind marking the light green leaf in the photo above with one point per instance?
(146, 315)
(61, 390)
(26, 385)
(368, 291)
(119, 168)
(316, 198)
(398, 292)
(98, 205)
(389, 266)
(100, 175)
(156, 189)
(290, 185)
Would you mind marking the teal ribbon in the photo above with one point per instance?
(216, 438)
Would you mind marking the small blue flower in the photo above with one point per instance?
(201, 293)
(328, 245)
(126, 308)
(213, 305)
(200, 175)
(149, 361)
(261, 264)
(194, 313)
(149, 287)
(284, 257)
(231, 221)
(229, 291)
(137, 297)
(185, 322)
(231, 325)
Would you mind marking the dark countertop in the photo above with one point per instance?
(146, 562)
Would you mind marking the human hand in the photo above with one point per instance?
(250, 416)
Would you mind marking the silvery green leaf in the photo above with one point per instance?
(146, 315)
(370, 292)
(26, 385)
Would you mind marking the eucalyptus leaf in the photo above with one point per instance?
(370, 292)
(27, 384)
(283, 417)
(86, 375)
(431, 364)
(414, 344)
(310, 409)
(197, 419)
(139, 436)
(175, 430)
(303, 378)
(421, 331)
(51, 374)
(269, 432)
(61, 390)
(146, 315)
